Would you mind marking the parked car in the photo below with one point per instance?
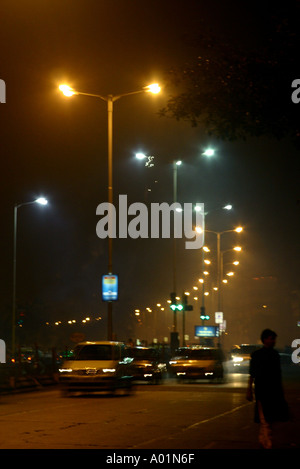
(197, 363)
(95, 367)
(240, 356)
(145, 364)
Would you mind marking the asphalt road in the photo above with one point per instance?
(170, 416)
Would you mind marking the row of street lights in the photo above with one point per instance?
(209, 152)
(205, 292)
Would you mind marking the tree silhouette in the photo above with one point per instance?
(235, 92)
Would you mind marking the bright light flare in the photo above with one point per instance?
(209, 152)
(66, 90)
(140, 156)
(153, 88)
(41, 201)
(239, 229)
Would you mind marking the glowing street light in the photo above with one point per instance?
(140, 156)
(153, 88)
(110, 99)
(40, 201)
(209, 152)
(67, 90)
(239, 229)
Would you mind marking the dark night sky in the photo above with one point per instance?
(57, 147)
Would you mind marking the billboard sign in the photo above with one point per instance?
(206, 331)
(109, 287)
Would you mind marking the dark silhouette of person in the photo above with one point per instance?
(265, 373)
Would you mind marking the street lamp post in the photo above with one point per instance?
(219, 234)
(176, 163)
(41, 201)
(110, 99)
(175, 178)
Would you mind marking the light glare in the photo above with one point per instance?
(209, 152)
(153, 88)
(66, 90)
(140, 156)
(42, 201)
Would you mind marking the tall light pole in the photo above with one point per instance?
(175, 165)
(175, 179)
(41, 201)
(219, 234)
(110, 99)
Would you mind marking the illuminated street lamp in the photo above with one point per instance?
(40, 201)
(239, 229)
(209, 152)
(110, 99)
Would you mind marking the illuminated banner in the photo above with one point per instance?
(206, 331)
(109, 287)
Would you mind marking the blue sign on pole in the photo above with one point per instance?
(109, 287)
(206, 331)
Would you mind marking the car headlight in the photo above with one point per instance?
(237, 359)
(65, 370)
(109, 370)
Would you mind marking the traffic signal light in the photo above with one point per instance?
(21, 319)
(203, 316)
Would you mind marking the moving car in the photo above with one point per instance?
(145, 364)
(240, 356)
(197, 363)
(95, 367)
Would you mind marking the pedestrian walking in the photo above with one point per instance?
(265, 374)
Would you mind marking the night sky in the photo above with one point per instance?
(57, 147)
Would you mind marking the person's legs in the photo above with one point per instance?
(265, 433)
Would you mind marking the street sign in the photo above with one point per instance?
(223, 326)
(218, 318)
(109, 287)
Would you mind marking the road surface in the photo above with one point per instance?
(168, 416)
